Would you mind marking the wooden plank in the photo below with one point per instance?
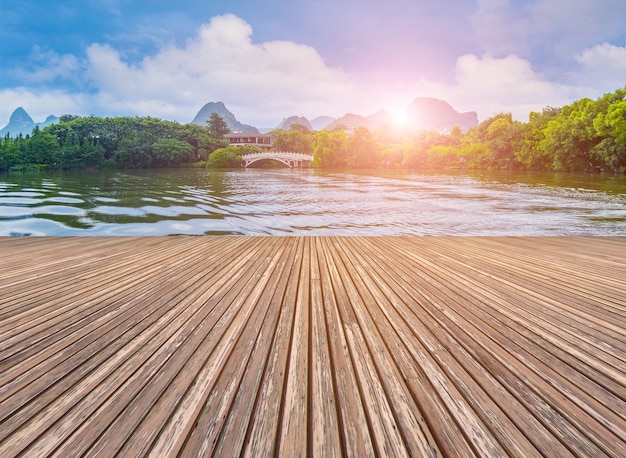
(168, 429)
(93, 352)
(39, 356)
(118, 418)
(225, 334)
(235, 433)
(559, 393)
(262, 439)
(293, 435)
(553, 338)
(505, 416)
(324, 425)
(359, 346)
(126, 371)
(77, 302)
(220, 429)
(426, 355)
(355, 429)
(393, 412)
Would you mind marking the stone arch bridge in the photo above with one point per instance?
(290, 159)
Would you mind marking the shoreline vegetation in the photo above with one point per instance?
(587, 135)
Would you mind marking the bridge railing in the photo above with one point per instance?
(289, 158)
(292, 155)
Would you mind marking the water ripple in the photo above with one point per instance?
(17, 201)
(65, 200)
(57, 210)
(291, 202)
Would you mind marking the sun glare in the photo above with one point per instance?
(399, 117)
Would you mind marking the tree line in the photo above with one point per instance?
(122, 142)
(583, 136)
(587, 135)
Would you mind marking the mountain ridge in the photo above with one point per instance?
(428, 113)
(291, 120)
(351, 121)
(234, 125)
(20, 123)
(424, 113)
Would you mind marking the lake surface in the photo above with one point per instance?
(310, 202)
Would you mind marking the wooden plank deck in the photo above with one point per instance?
(319, 346)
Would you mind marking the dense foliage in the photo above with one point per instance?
(585, 135)
(228, 157)
(124, 142)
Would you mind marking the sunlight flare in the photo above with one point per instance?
(399, 116)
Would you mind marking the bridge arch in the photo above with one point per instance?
(290, 159)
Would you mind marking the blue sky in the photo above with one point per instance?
(269, 59)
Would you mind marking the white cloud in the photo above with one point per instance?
(39, 105)
(266, 81)
(46, 66)
(603, 68)
(562, 39)
(550, 32)
(490, 85)
(260, 82)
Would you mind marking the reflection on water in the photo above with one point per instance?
(309, 202)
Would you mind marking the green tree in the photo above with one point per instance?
(610, 154)
(473, 155)
(532, 153)
(363, 150)
(572, 136)
(456, 136)
(613, 123)
(297, 139)
(503, 138)
(228, 157)
(329, 149)
(391, 156)
(68, 118)
(9, 153)
(199, 139)
(71, 152)
(41, 148)
(133, 153)
(169, 151)
(300, 128)
(217, 127)
(92, 153)
(429, 149)
(610, 124)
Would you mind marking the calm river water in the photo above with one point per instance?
(309, 202)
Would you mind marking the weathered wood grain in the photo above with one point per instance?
(313, 346)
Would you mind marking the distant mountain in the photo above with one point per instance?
(351, 121)
(379, 118)
(316, 124)
(287, 123)
(20, 122)
(321, 122)
(218, 107)
(426, 113)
